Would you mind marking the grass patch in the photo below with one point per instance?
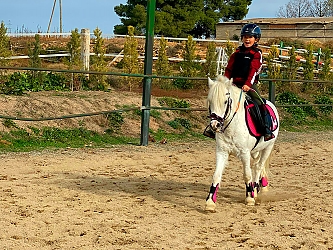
(21, 140)
(187, 135)
(289, 124)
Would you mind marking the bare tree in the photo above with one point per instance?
(330, 7)
(306, 8)
(320, 8)
(295, 8)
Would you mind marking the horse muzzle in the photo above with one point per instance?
(216, 122)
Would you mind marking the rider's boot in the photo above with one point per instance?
(268, 135)
(209, 132)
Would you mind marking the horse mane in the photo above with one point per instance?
(219, 88)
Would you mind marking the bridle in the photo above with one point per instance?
(227, 113)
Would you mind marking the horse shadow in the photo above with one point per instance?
(175, 192)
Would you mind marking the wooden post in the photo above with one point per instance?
(85, 48)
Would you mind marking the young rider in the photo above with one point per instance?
(243, 67)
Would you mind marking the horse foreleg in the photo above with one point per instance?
(221, 160)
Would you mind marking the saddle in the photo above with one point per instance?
(254, 119)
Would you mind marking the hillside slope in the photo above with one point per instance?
(58, 104)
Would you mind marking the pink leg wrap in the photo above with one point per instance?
(214, 197)
(264, 181)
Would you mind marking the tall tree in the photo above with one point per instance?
(74, 49)
(308, 67)
(320, 8)
(210, 65)
(324, 73)
(74, 59)
(180, 18)
(162, 65)
(34, 52)
(5, 52)
(35, 62)
(131, 56)
(98, 61)
(291, 65)
(306, 8)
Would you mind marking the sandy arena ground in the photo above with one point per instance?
(132, 197)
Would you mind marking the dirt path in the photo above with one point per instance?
(131, 197)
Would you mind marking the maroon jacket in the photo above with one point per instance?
(244, 66)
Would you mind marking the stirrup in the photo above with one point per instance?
(209, 132)
(269, 136)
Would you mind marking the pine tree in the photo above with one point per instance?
(179, 18)
(291, 65)
(162, 65)
(324, 73)
(273, 68)
(98, 62)
(74, 48)
(189, 67)
(308, 66)
(35, 61)
(131, 55)
(210, 65)
(5, 52)
(229, 48)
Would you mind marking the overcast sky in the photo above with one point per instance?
(34, 15)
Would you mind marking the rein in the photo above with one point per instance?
(213, 116)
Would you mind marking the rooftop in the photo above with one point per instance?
(285, 20)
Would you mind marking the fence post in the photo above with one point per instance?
(85, 48)
(148, 70)
(318, 58)
(271, 94)
(281, 47)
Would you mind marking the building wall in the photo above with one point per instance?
(304, 30)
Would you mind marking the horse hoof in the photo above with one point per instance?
(250, 201)
(210, 206)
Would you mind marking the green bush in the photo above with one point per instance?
(115, 120)
(173, 102)
(323, 99)
(299, 113)
(183, 84)
(8, 123)
(156, 114)
(17, 83)
(180, 122)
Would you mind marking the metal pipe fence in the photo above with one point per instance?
(146, 107)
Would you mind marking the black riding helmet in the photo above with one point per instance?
(251, 29)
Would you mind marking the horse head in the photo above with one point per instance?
(219, 101)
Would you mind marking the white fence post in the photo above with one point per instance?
(85, 48)
(222, 60)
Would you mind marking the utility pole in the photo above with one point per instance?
(54, 5)
(60, 4)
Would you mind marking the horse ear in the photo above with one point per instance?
(210, 82)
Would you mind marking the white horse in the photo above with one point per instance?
(226, 104)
